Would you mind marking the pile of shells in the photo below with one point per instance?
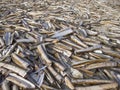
(59, 45)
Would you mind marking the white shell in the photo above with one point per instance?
(76, 73)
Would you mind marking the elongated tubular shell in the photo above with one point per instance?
(14, 78)
(43, 55)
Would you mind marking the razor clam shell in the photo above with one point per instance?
(102, 65)
(43, 54)
(8, 38)
(15, 69)
(71, 44)
(99, 87)
(68, 83)
(111, 53)
(62, 33)
(14, 78)
(55, 74)
(19, 61)
(88, 49)
(76, 40)
(24, 41)
(92, 33)
(90, 81)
